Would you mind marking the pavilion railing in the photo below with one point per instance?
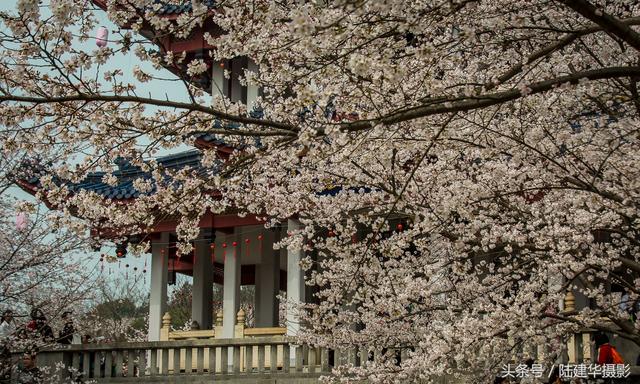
(160, 361)
(248, 356)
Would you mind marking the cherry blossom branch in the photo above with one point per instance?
(563, 42)
(608, 22)
(447, 105)
(150, 101)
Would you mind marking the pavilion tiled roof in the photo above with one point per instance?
(126, 175)
(178, 7)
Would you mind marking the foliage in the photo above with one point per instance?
(42, 261)
(179, 306)
(119, 313)
(180, 301)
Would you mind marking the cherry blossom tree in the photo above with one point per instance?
(118, 311)
(458, 166)
(43, 264)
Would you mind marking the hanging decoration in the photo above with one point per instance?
(102, 37)
(213, 252)
(224, 252)
(21, 221)
(261, 245)
(121, 249)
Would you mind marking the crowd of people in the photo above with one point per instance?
(37, 328)
(30, 335)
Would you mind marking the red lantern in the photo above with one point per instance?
(259, 237)
(224, 245)
(246, 241)
(399, 227)
(235, 243)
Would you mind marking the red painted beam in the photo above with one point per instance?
(209, 220)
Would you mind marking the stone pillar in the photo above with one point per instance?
(201, 304)
(252, 90)
(231, 288)
(158, 296)
(217, 79)
(295, 282)
(267, 280)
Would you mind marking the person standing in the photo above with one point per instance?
(7, 331)
(66, 334)
(40, 325)
(28, 372)
(607, 354)
(7, 325)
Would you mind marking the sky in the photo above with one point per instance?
(126, 62)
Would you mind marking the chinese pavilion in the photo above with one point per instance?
(231, 250)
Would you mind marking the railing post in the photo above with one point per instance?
(238, 333)
(212, 360)
(86, 364)
(261, 358)
(131, 363)
(236, 359)
(200, 360)
(119, 363)
(142, 362)
(286, 358)
(96, 365)
(175, 355)
(188, 361)
(218, 329)
(51, 359)
(75, 363)
(299, 359)
(248, 358)
(569, 307)
(224, 359)
(166, 327)
(324, 360)
(108, 364)
(586, 348)
(153, 366)
(239, 328)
